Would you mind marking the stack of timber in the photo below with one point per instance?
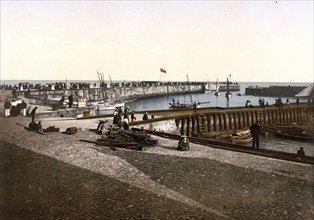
(134, 140)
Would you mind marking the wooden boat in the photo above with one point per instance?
(241, 139)
(192, 105)
(295, 135)
(217, 93)
(228, 93)
(215, 134)
(293, 132)
(241, 136)
(177, 105)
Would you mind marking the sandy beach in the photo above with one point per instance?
(56, 176)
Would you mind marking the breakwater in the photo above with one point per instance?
(121, 91)
(274, 91)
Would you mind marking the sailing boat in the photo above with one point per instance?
(105, 104)
(178, 105)
(228, 93)
(207, 90)
(217, 93)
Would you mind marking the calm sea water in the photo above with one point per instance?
(162, 102)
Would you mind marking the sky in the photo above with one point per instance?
(253, 41)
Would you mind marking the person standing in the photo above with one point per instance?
(126, 113)
(7, 108)
(23, 108)
(133, 118)
(194, 107)
(70, 101)
(33, 112)
(116, 116)
(255, 132)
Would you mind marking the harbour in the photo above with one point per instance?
(155, 110)
(212, 104)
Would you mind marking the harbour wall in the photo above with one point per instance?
(114, 93)
(274, 91)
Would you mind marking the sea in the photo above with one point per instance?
(237, 99)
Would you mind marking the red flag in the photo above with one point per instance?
(162, 70)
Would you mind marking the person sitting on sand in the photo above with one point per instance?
(145, 117)
(301, 153)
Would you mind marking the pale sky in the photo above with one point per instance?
(132, 40)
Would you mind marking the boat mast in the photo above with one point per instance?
(114, 92)
(227, 85)
(187, 77)
(102, 84)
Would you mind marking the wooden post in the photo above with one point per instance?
(225, 118)
(245, 119)
(182, 126)
(220, 122)
(215, 122)
(231, 121)
(193, 126)
(208, 117)
(198, 125)
(188, 126)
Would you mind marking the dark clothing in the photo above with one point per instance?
(33, 112)
(133, 118)
(255, 132)
(301, 153)
(194, 107)
(125, 126)
(7, 104)
(70, 101)
(145, 117)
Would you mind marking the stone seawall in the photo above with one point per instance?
(115, 93)
(274, 91)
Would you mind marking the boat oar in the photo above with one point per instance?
(98, 143)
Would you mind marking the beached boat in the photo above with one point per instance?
(215, 134)
(241, 136)
(295, 135)
(102, 105)
(294, 132)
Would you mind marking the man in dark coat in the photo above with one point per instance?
(33, 112)
(70, 100)
(7, 107)
(301, 153)
(255, 132)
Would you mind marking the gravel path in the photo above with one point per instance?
(56, 176)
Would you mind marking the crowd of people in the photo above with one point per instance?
(15, 108)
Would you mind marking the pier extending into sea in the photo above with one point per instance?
(124, 91)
